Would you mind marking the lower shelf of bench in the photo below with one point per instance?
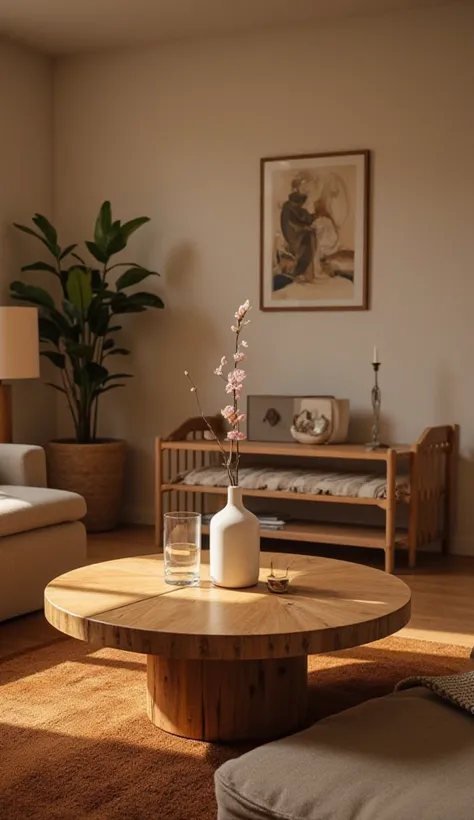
(343, 534)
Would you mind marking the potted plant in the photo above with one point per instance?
(78, 326)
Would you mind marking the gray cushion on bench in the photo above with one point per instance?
(407, 756)
(294, 480)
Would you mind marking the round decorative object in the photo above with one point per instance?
(308, 438)
(228, 664)
(311, 428)
(95, 471)
(234, 544)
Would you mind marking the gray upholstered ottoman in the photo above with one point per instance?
(407, 756)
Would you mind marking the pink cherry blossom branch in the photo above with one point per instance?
(234, 386)
(225, 456)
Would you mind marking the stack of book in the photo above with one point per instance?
(267, 522)
(271, 522)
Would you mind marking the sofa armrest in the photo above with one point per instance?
(22, 465)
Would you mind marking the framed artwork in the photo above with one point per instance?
(314, 232)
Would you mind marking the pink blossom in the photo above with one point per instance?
(244, 343)
(239, 356)
(243, 309)
(231, 387)
(218, 370)
(234, 380)
(228, 412)
(236, 435)
(234, 329)
(236, 376)
(232, 415)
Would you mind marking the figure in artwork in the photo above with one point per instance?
(314, 232)
(309, 246)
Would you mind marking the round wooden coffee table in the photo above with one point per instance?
(228, 664)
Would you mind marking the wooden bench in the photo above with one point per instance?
(430, 463)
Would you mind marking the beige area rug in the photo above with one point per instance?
(75, 741)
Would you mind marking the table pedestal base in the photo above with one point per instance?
(227, 700)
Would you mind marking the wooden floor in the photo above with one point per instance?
(442, 589)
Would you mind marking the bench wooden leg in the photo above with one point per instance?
(391, 510)
(389, 559)
(158, 494)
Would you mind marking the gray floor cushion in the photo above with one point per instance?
(407, 756)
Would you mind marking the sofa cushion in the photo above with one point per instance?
(407, 756)
(29, 508)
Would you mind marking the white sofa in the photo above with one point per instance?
(41, 534)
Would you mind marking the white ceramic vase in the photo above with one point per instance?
(234, 544)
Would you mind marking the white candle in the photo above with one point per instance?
(375, 359)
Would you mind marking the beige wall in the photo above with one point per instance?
(176, 132)
(26, 186)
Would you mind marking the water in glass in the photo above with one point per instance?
(182, 548)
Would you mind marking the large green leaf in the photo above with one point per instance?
(98, 317)
(100, 390)
(58, 359)
(135, 303)
(116, 242)
(125, 265)
(32, 233)
(133, 225)
(49, 331)
(103, 225)
(79, 289)
(42, 266)
(96, 372)
(67, 250)
(121, 304)
(96, 252)
(80, 351)
(73, 313)
(114, 376)
(31, 293)
(118, 351)
(145, 299)
(90, 375)
(49, 233)
(96, 280)
(133, 276)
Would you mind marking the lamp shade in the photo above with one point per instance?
(19, 343)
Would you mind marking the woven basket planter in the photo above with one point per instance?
(95, 471)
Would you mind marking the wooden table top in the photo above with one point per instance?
(126, 604)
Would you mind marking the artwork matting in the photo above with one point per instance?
(314, 231)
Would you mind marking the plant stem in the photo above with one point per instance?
(209, 427)
(237, 446)
(69, 401)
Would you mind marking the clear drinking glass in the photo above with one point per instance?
(182, 548)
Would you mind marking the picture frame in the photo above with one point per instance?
(314, 231)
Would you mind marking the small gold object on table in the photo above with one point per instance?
(278, 583)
